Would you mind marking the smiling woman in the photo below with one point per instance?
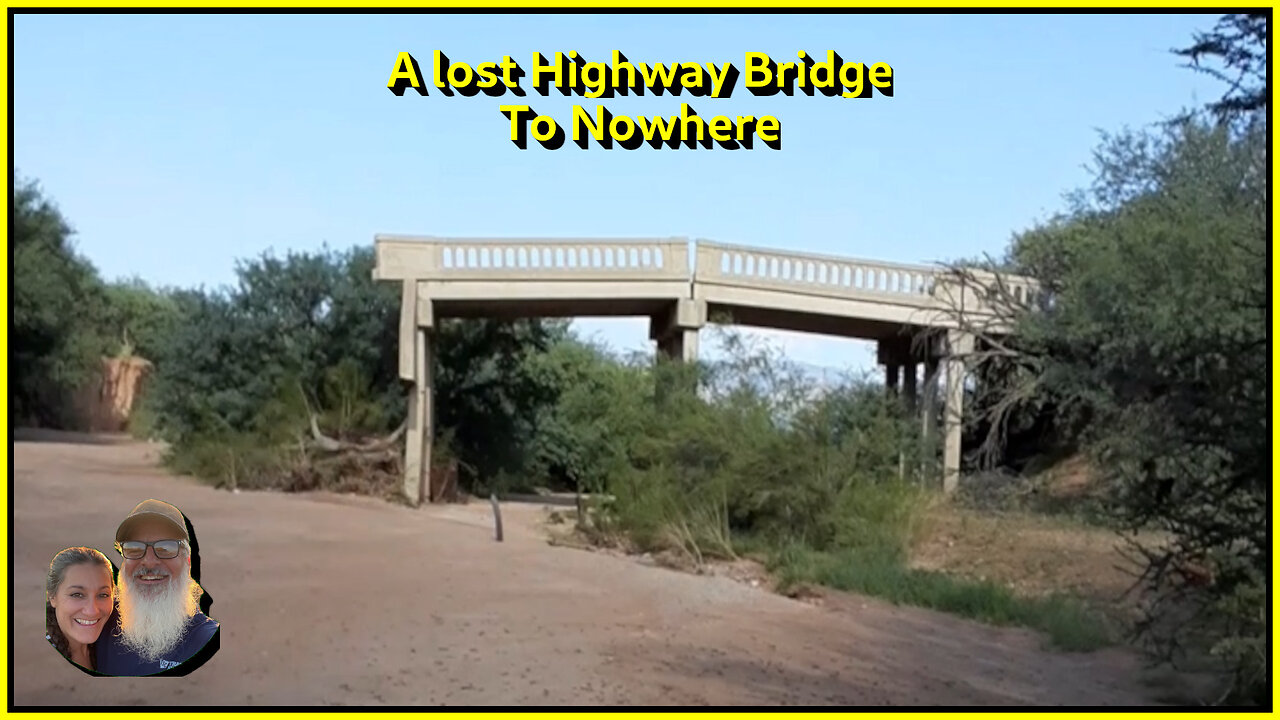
(79, 596)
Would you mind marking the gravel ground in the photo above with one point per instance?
(337, 600)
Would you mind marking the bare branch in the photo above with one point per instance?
(1003, 305)
(328, 444)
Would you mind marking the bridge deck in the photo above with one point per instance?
(528, 277)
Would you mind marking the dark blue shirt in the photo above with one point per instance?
(114, 658)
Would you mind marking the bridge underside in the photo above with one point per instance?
(774, 319)
(659, 308)
(562, 308)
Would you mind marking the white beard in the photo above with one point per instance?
(152, 624)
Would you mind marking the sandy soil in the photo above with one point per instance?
(334, 600)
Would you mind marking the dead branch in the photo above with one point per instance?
(320, 440)
(323, 442)
(1003, 306)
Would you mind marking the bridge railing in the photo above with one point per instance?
(817, 274)
(400, 257)
(928, 287)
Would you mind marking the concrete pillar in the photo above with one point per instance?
(429, 416)
(680, 345)
(417, 363)
(894, 353)
(909, 385)
(959, 344)
(928, 409)
(907, 399)
(929, 400)
(418, 435)
(676, 331)
(891, 378)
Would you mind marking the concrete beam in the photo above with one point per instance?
(403, 259)
(894, 311)
(683, 314)
(534, 289)
(892, 350)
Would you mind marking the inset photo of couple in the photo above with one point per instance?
(149, 616)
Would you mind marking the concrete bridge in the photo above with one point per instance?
(583, 277)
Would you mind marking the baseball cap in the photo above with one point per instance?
(153, 509)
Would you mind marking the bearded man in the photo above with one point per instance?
(159, 625)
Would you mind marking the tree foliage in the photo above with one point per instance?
(1163, 304)
(1239, 43)
(489, 398)
(137, 318)
(313, 334)
(56, 295)
(1149, 345)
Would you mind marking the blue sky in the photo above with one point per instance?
(179, 144)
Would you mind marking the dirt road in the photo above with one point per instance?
(330, 600)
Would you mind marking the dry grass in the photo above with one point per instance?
(1073, 478)
(1032, 554)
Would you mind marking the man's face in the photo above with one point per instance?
(149, 574)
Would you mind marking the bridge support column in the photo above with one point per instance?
(419, 433)
(929, 405)
(680, 345)
(909, 372)
(891, 378)
(676, 331)
(417, 362)
(901, 357)
(895, 353)
(959, 345)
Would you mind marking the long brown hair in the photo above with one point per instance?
(57, 573)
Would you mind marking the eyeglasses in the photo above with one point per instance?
(164, 549)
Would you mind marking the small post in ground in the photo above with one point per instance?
(497, 515)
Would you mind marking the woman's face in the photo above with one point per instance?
(83, 602)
